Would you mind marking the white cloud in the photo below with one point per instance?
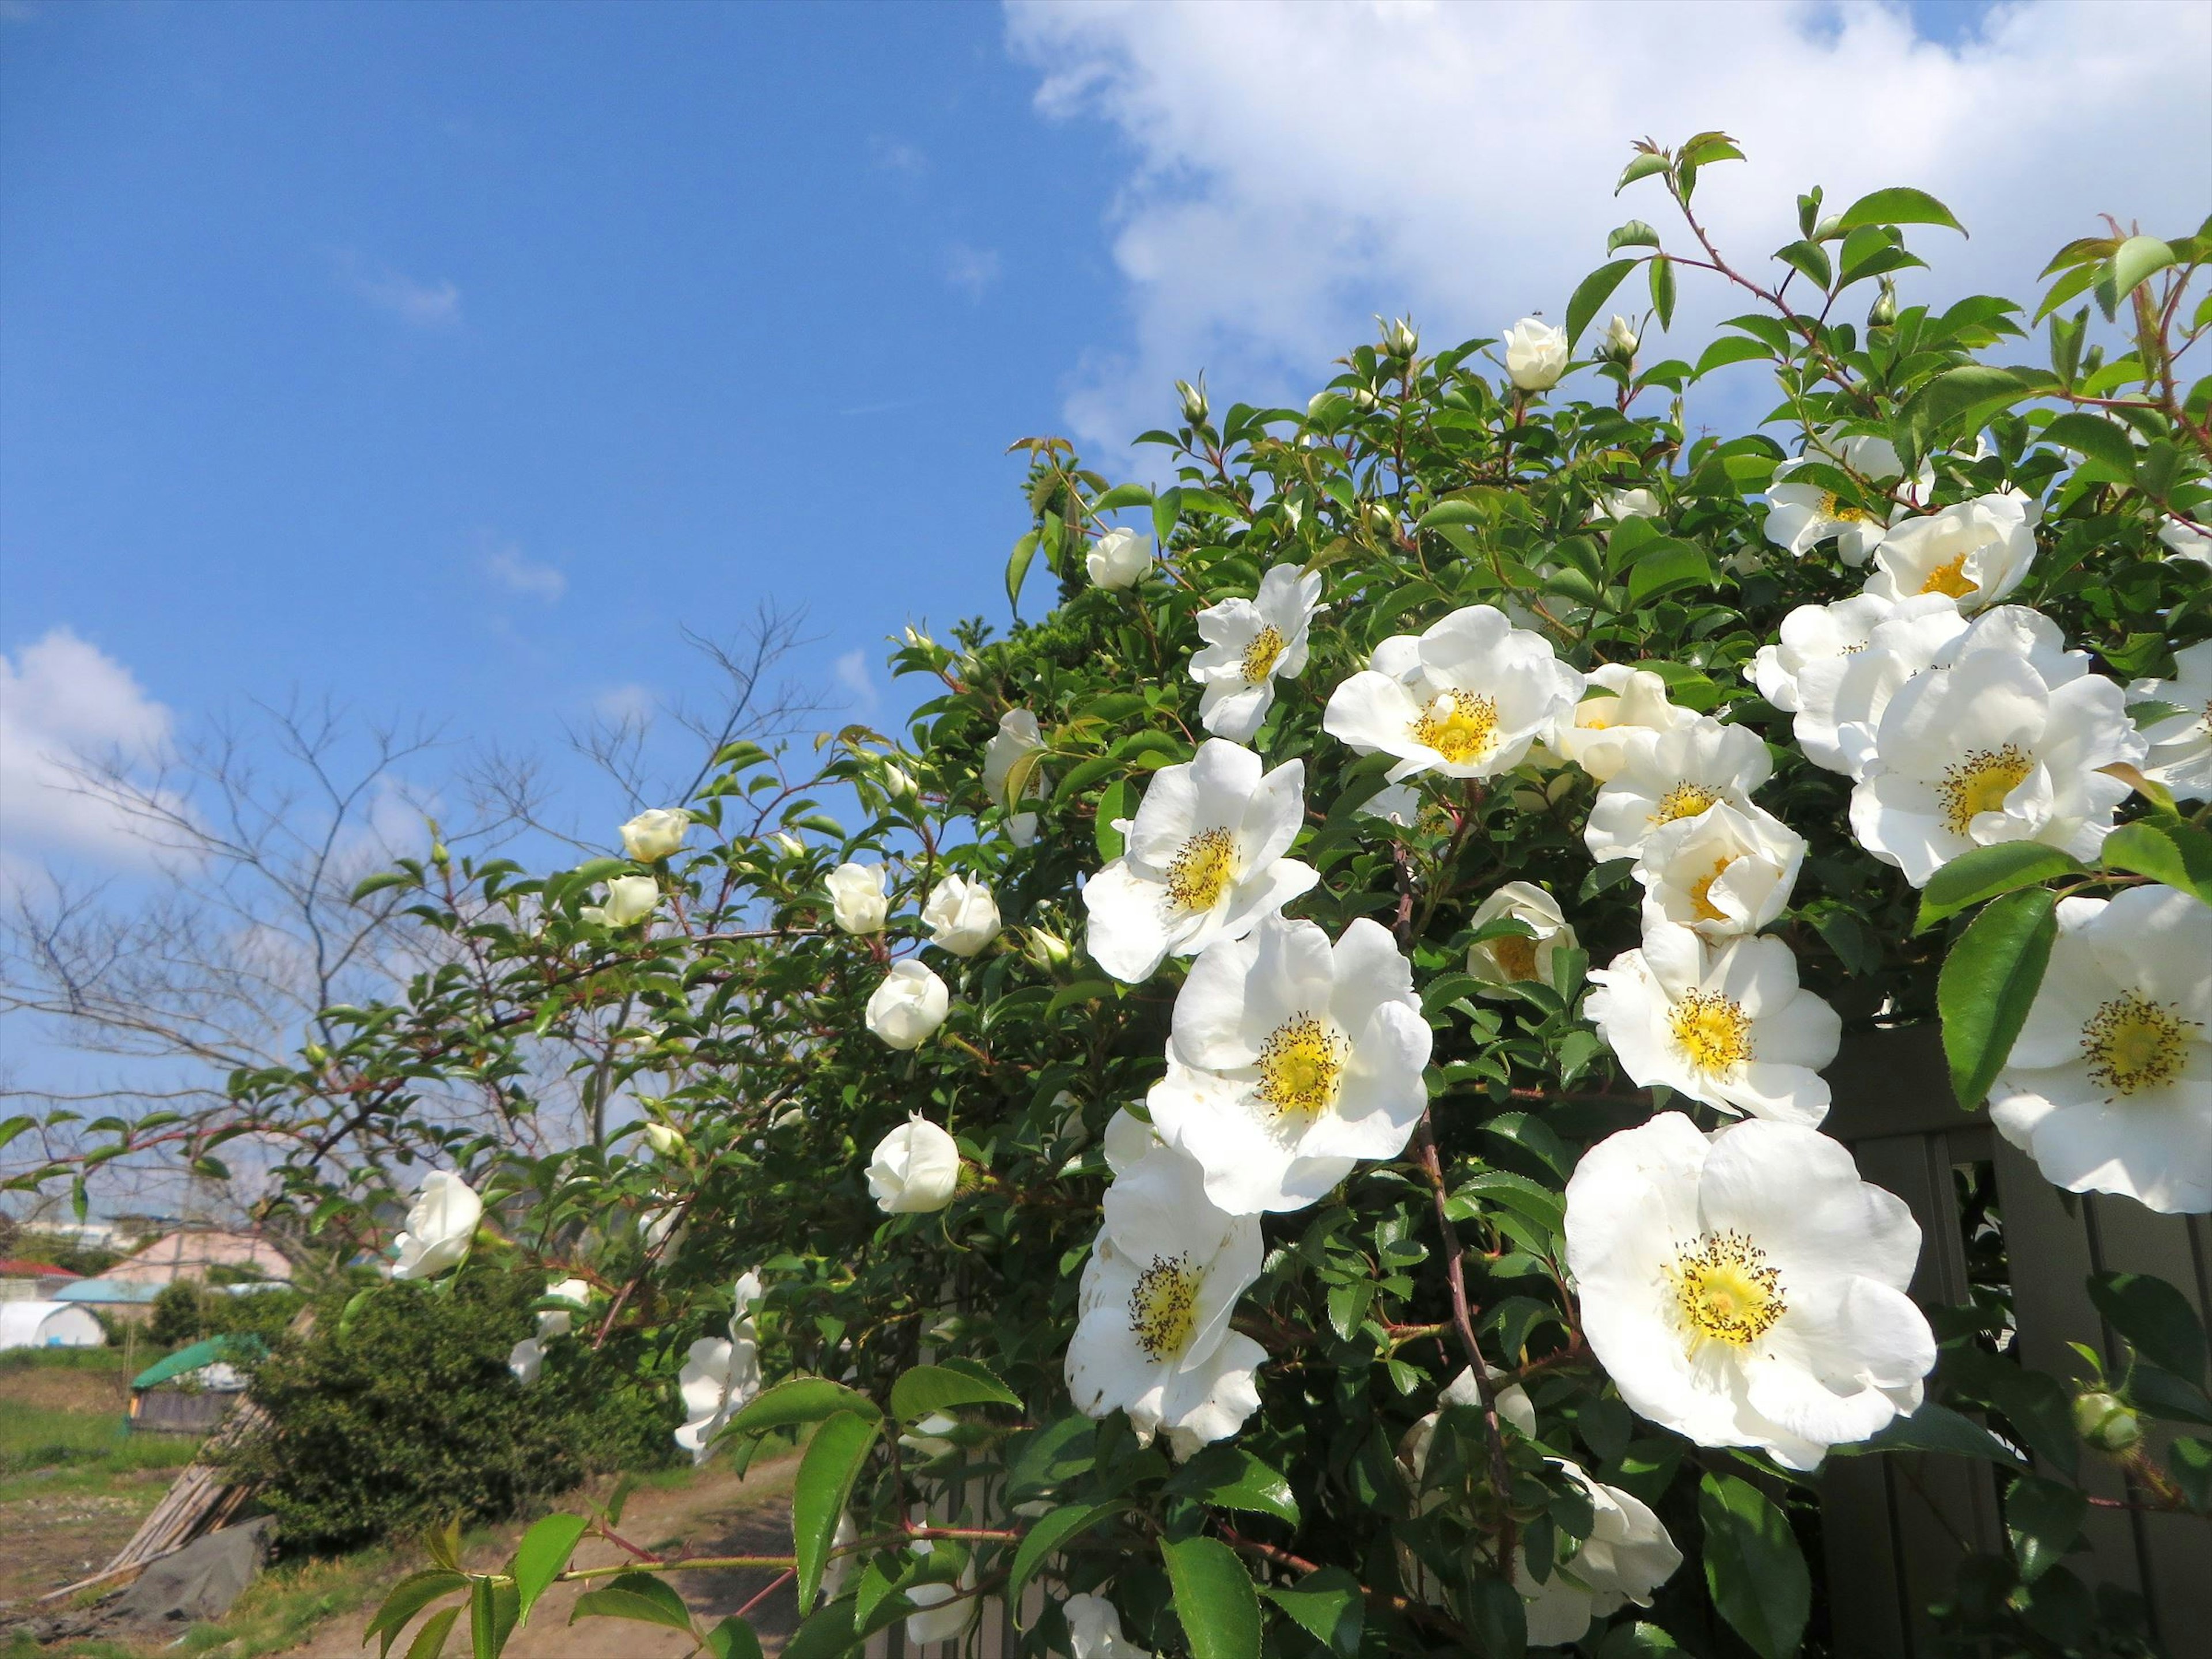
(972, 270)
(1300, 168)
(858, 681)
(63, 701)
(629, 704)
(419, 305)
(897, 155)
(511, 569)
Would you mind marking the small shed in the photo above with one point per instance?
(194, 1389)
(48, 1325)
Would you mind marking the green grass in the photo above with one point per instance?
(84, 1448)
(73, 1360)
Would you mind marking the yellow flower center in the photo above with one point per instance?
(1701, 892)
(1202, 869)
(1725, 1291)
(2133, 1043)
(1262, 654)
(1461, 725)
(1685, 800)
(1516, 957)
(1300, 1065)
(1712, 1030)
(1979, 783)
(1842, 512)
(1163, 1307)
(1950, 577)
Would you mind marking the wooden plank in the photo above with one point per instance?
(1893, 1083)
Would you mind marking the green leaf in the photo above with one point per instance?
(928, 1388)
(1636, 1641)
(1122, 495)
(1214, 1598)
(486, 1638)
(2044, 1518)
(640, 1596)
(1593, 291)
(1899, 205)
(733, 1639)
(1018, 566)
(2155, 1318)
(1327, 1605)
(382, 879)
(1936, 1428)
(2178, 855)
(1961, 401)
(2133, 260)
(1810, 261)
(2189, 1462)
(542, 1557)
(409, 1597)
(1668, 566)
(1988, 982)
(1049, 1536)
(1496, 1617)
(1663, 289)
(1167, 507)
(1641, 166)
(1731, 349)
(1753, 1567)
(832, 1462)
(1986, 872)
(1634, 234)
(430, 1641)
(1112, 803)
(2095, 438)
(1229, 1478)
(801, 1400)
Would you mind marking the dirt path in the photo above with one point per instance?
(716, 1513)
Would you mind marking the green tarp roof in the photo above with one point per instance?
(216, 1348)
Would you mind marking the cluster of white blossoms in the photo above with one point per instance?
(721, 1375)
(526, 1360)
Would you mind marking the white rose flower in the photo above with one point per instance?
(1620, 504)
(1514, 1407)
(2109, 1086)
(790, 844)
(1129, 1139)
(1249, 643)
(526, 1360)
(1400, 804)
(1627, 1556)
(653, 835)
(2185, 540)
(440, 1225)
(898, 782)
(962, 916)
(665, 1139)
(839, 1565)
(1667, 776)
(1988, 752)
(722, 1375)
(1747, 1289)
(2181, 745)
(628, 901)
(663, 1229)
(1814, 645)
(1535, 355)
(1291, 1060)
(1120, 558)
(1204, 860)
(1511, 959)
(559, 1322)
(1617, 700)
(1152, 1336)
(946, 1610)
(1094, 1630)
(1620, 338)
(1728, 870)
(915, 1169)
(857, 901)
(1977, 552)
(909, 1005)
(1729, 1026)
(1467, 699)
(1011, 770)
(1805, 515)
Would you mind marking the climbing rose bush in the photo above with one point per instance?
(1166, 1075)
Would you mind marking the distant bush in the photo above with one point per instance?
(408, 1415)
(187, 1311)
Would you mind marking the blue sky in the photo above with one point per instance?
(452, 359)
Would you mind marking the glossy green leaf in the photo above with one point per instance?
(1959, 402)
(1731, 349)
(2178, 855)
(1899, 205)
(2155, 1318)
(831, 1463)
(542, 1555)
(1048, 1535)
(1018, 566)
(409, 1597)
(1641, 166)
(1936, 1428)
(2132, 261)
(643, 1596)
(732, 1638)
(1214, 1600)
(928, 1388)
(1753, 1569)
(1328, 1605)
(1229, 1478)
(1668, 567)
(1592, 292)
(430, 1641)
(2094, 438)
(1986, 872)
(2189, 1460)
(2045, 1519)
(800, 1400)
(1663, 289)
(1988, 982)
(1809, 260)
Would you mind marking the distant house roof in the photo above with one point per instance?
(109, 1292)
(189, 1254)
(10, 1268)
(216, 1350)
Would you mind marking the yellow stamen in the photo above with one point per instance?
(1950, 577)
(1300, 1065)
(1262, 654)
(1516, 957)
(1701, 891)
(1979, 783)
(1842, 512)
(1202, 869)
(1163, 1307)
(1461, 725)
(2133, 1043)
(1685, 800)
(1712, 1030)
(1725, 1291)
